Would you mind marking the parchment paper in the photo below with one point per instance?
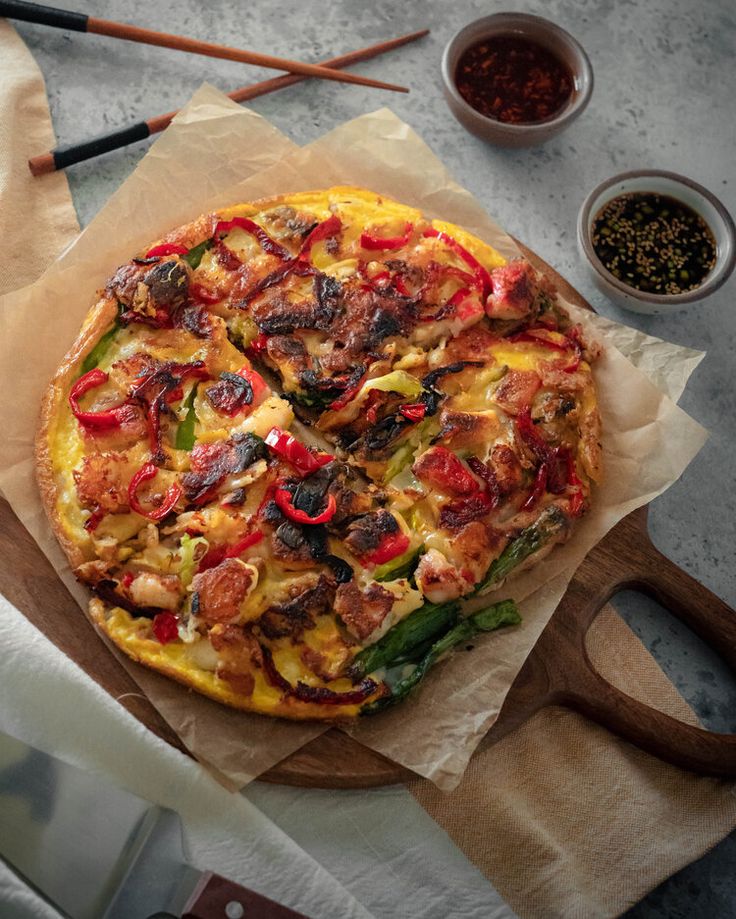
(209, 157)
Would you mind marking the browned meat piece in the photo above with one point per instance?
(363, 611)
(471, 344)
(299, 613)
(238, 652)
(516, 391)
(514, 291)
(365, 534)
(222, 589)
(466, 429)
(507, 468)
(103, 481)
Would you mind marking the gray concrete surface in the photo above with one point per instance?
(664, 97)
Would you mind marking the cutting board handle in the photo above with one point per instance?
(215, 897)
(627, 559)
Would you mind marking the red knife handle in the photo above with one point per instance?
(215, 897)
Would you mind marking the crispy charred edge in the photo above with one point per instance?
(290, 707)
(100, 318)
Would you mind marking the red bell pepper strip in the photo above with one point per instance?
(324, 230)
(347, 396)
(165, 627)
(146, 472)
(320, 695)
(540, 483)
(391, 546)
(441, 468)
(105, 420)
(289, 448)
(166, 249)
(480, 273)
(413, 411)
(372, 242)
(250, 226)
(541, 337)
(203, 294)
(283, 498)
(214, 556)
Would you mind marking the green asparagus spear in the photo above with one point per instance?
(549, 524)
(486, 620)
(419, 627)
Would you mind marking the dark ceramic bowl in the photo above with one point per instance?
(550, 36)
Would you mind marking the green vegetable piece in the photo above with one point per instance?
(100, 350)
(190, 554)
(403, 566)
(551, 522)
(416, 629)
(486, 620)
(398, 381)
(194, 256)
(185, 431)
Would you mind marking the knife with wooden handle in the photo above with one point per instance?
(95, 851)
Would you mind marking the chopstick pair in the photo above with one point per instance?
(80, 22)
(62, 157)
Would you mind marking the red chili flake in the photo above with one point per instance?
(513, 80)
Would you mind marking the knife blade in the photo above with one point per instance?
(95, 851)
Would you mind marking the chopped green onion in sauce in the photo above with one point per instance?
(654, 243)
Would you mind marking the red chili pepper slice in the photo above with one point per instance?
(540, 483)
(289, 448)
(441, 468)
(391, 546)
(165, 627)
(480, 273)
(329, 227)
(372, 242)
(98, 421)
(166, 249)
(214, 556)
(283, 499)
(146, 472)
(250, 226)
(414, 411)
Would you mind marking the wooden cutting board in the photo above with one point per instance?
(558, 671)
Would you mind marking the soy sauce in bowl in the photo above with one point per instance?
(654, 243)
(514, 80)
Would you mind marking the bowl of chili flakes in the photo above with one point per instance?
(516, 80)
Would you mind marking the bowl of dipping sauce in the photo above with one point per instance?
(655, 241)
(515, 80)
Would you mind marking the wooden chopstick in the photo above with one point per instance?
(62, 157)
(80, 22)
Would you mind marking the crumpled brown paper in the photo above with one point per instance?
(214, 154)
